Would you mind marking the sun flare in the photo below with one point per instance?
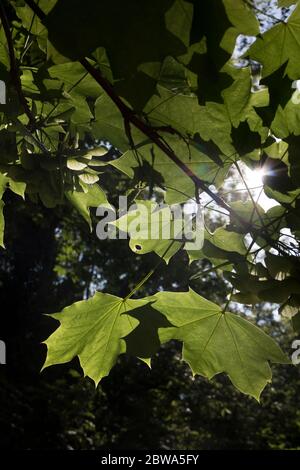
(254, 180)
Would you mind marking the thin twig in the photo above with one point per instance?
(150, 273)
(261, 12)
(14, 70)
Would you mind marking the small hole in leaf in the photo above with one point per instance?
(138, 247)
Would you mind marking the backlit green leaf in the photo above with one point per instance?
(216, 342)
(93, 330)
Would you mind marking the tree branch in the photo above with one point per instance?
(36, 9)
(130, 116)
(150, 132)
(14, 70)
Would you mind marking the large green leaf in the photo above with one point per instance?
(237, 97)
(171, 62)
(93, 330)
(88, 196)
(278, 45)
(242, 17)
(216, 342)
(249, 213)
(33, 23)
(75, 78)
(214, 124)
(227, 240)
(181, 111)
(287, 120)
(109, 125)
(152, 228)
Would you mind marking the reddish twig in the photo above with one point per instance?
(130, 117)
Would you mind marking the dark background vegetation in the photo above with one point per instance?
(51, 260)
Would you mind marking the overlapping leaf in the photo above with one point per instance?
(168, 175)
(217, 342)
(209, 112)
(88, 196)
(278, 45)
(93, 330)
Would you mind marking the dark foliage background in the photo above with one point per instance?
(52, 260)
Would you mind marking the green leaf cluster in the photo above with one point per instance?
(155, 92)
